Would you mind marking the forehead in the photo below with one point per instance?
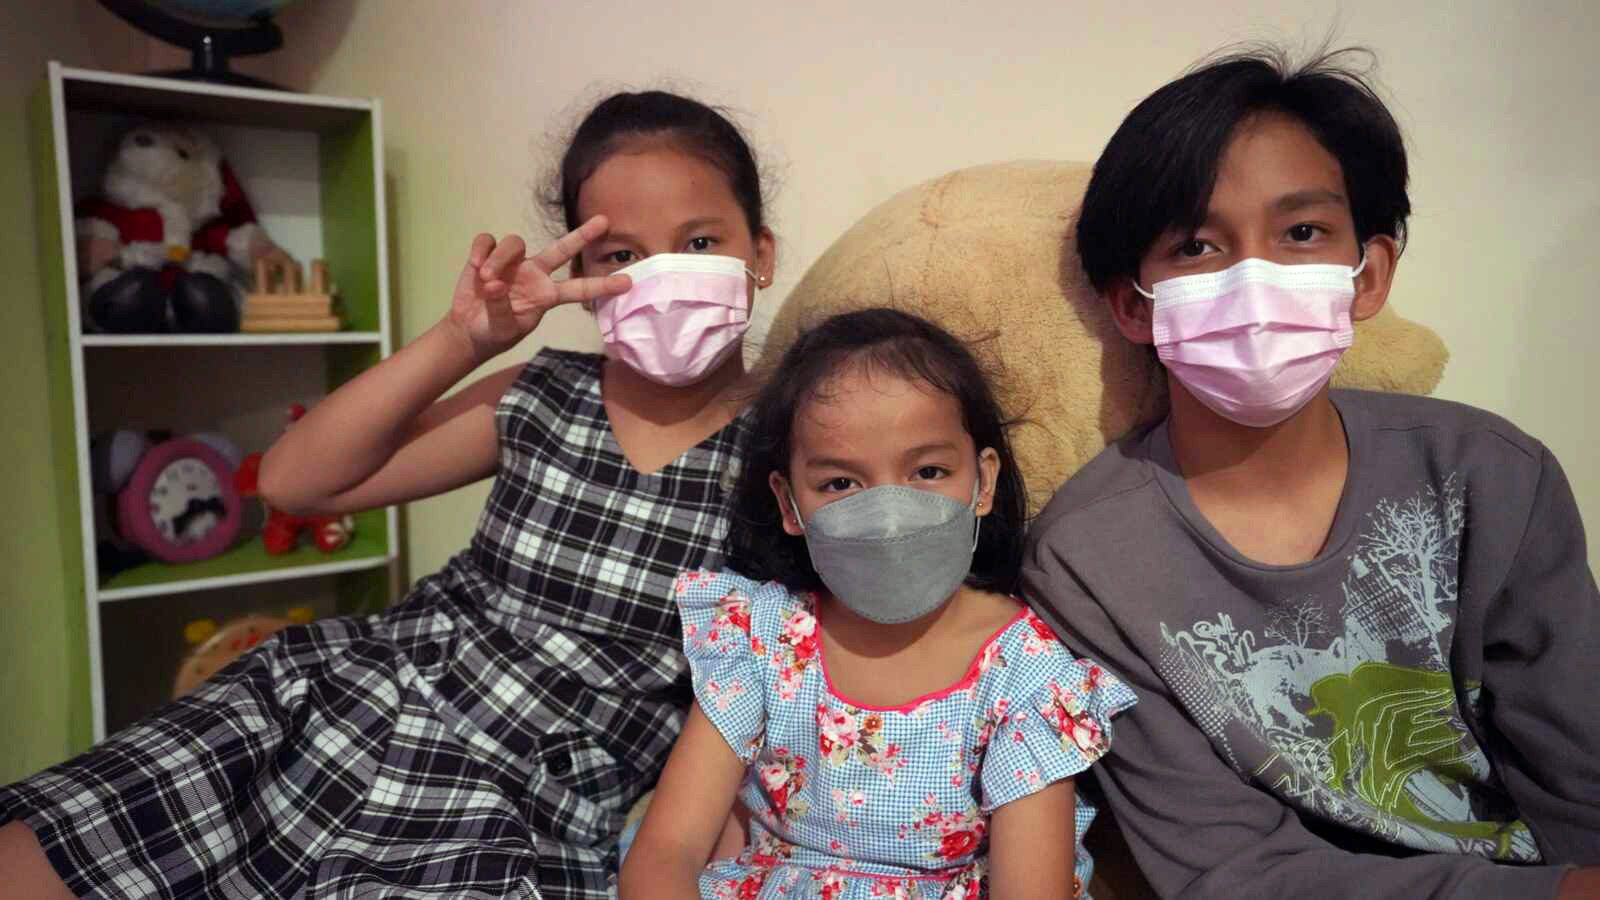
(861, 413)
(1272, 155)
(655, 181)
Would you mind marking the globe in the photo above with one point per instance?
(213, 31)
(223, 10)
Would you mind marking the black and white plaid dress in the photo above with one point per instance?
(485, 738)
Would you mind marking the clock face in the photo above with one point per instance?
(180, 504)
(186, 500)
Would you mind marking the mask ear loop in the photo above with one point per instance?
(1357, 270)
(977, 521)
(795, 505)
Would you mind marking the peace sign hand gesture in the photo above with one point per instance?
(503, 294)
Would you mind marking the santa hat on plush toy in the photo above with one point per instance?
(233, 229)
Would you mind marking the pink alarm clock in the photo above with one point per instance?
(179, 503)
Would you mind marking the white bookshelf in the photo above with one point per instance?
(313, 168)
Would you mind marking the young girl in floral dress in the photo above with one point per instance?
(894, 721)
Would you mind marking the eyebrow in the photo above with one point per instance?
(928, 448)
(691, 225)
(828, 462)
(1301, 199)
(703, 222)
(621, 237)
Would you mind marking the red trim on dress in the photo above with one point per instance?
(877, 877)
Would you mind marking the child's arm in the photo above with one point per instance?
(1541, 661)
(1031, 845)
(382, 438)
(686, 815)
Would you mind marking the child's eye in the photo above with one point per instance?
(1303, 232)
(1193, 248)
(931, 473)
(619, 257)
(701, 244)
(836, 485)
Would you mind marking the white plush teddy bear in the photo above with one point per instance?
(158, 246)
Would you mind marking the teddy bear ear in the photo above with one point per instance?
(205, 147)
(988, 253)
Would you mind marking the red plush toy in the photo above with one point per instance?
(281, 533)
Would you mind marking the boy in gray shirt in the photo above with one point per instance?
(1362, 627)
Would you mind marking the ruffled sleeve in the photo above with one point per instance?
(1048, 714)
(717, 613)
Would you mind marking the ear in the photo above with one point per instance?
(780, 492)
(988, 479)
(1131, 311)
(766, 261)
(1372, 285)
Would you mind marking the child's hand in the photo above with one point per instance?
(502, 293)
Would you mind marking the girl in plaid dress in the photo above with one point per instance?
(485, 737)
(894, 721)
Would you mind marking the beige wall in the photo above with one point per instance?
(854, 101)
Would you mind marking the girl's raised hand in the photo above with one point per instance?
(503, 293)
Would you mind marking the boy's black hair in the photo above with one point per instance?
(892, 342)
(688, 124)
(1158, 170)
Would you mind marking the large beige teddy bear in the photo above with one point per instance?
(987, 253)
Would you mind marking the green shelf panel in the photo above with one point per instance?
(251, 557)
(350, 221)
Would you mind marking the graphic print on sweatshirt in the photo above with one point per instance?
(1349, 701)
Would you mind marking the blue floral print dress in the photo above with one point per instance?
(851, 800)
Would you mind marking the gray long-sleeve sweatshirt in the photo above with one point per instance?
(1414, 713)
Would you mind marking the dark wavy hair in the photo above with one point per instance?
(1158, 170)
(893, 342)
(622, 119)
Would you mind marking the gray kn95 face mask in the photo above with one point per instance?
(892, 554)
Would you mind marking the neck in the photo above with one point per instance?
(663, 405)
(1232, 457)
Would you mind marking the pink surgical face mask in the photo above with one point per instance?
(1256, 341)
(684, 316)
